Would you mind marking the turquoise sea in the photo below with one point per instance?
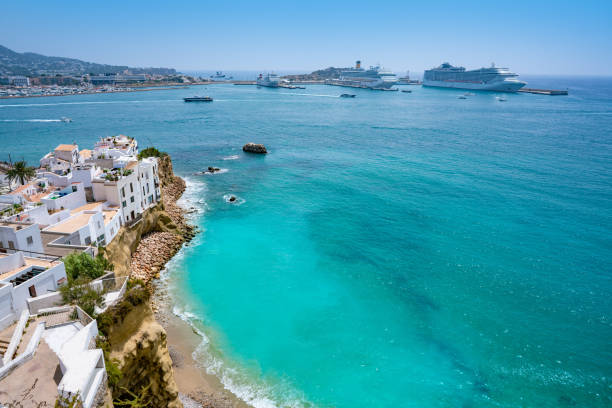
(392, 250)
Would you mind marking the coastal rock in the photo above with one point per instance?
(254, 148)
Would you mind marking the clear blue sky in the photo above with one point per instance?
(530, 37)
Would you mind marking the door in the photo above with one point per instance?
(32, 291)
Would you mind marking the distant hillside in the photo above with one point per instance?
(321, 74)
(31, 64)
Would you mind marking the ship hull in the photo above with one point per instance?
(363, 84)
(268, 84)
(497, 86)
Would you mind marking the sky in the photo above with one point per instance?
(530, 37)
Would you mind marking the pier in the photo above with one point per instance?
(543, 91)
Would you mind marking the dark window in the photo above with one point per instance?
(124, 204)
(30, 240)
(131, 188)
(132, 199)
(74, 188)
(122, 191)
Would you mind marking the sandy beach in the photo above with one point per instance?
(193, 382)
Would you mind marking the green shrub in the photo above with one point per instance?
(79, 291)
(150, 152)
(83, 265)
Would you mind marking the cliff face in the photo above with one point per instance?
(138, 347)
(132, 339)
(120, 250)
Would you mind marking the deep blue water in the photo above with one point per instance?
(392, 250)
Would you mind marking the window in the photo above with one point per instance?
(30, 240)
(74, 188)
(11, 245)
(147, 189)
(124, 204)
(123, 191)
(131, 188)
(87, 240)
(132, 199)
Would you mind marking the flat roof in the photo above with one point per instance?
(14, 225)
(65, 147)
(43, 263)
(87, 207)
(109, 215)
(72, 224)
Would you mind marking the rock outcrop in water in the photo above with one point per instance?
(254, 148)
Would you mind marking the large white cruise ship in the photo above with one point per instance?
(484, 79)
(269, 80)
(374, 78)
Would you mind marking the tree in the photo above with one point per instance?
(20, 171)
(83, 265)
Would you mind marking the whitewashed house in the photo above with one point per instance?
(21, 237)
(69, 197)
(26, 277)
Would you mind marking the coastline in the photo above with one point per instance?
(197, 388)
(151, 88)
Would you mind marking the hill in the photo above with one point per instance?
(321, 74)
(32, 64)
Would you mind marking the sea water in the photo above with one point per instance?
(391, 250)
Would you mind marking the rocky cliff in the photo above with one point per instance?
(134, 343)
(136, 348)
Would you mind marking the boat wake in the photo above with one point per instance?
(31, 120)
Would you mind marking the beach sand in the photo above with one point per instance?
(200, 388)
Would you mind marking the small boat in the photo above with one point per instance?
(198, 99)
(347, 96)
(462, 97)
(407, 90)
(501, 99)
(65, 119)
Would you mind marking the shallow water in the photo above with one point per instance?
(391, 250)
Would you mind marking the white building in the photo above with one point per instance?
(20, 237)
(121, 188)
(19, 80)
(91, 224)
(70, 197)
(22, 278)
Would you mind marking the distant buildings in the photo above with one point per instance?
(19, 81)
(112, 79)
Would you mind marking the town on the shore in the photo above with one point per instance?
(54, 221)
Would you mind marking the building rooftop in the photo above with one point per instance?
(86, 153)
(109, 215)
(15, 225)
(72, 224)
(87, 207)
(65, 147)
(42, 263)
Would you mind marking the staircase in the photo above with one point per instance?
(3, 346)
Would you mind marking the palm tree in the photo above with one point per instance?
(20, 172)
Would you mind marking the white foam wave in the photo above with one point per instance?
(232, 157)
(247, 386)
(254, 392)
(237, 201)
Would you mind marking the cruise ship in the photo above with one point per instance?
(483, 79)
(269, 80)
(373, 78)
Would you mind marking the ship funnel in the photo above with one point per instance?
(358, 64)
